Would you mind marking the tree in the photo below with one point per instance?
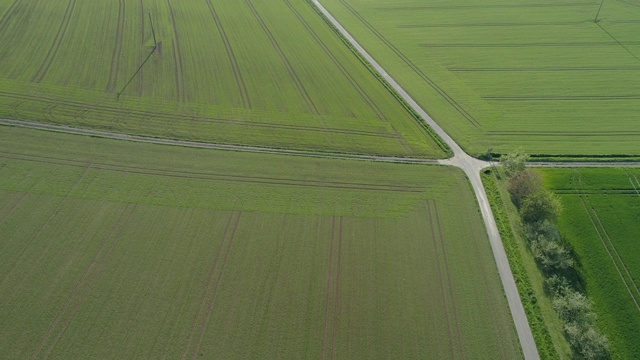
(523, 184)
(551, 254)
(539, 206)
(514, 163)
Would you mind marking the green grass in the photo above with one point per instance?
(600, 220)
(545, 325)
(114, 249)
(248, 72)
(507, 74)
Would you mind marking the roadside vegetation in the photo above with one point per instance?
(539, 210)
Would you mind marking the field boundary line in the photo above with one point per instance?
(117, 48)
(292, 72)
(223, 266)
(55, 46)
(76, 297)
(235, 67)
(624, 282)
(223, 177)
(441, 281)
(85, 107)
(177, 57)
(208, 286)
(414, 67)
(327, 306)
(450, 283)
(210, 145)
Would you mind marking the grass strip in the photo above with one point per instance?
(540, 331)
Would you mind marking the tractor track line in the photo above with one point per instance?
(336, 300)
(125, 113)
(363, 95)
(53, 50)
(234, 178)
(92, 281)
(615, 249)
(223, 265)
(117, 49)
(237, 72)
(79, 289)
(415, 68)
(212, 272)
(292, 73)
(443, 292)
(8, 15)
(142, 29)
(177, 57)
(449, 282)
(327, 307)
(14, 207)
(584, 205)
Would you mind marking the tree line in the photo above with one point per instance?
(539, 210)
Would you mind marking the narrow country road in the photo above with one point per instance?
(471, 167)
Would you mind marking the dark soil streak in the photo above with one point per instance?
(53, 50)
(177, 58)
(417, 70)
(327, 308)
(117, 49)
(450, 283)
(196, 319)
(223, 265)
(444, 297)
(237, 72)
(294, 76)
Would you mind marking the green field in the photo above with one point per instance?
(503, 74)
(250, 72)
(113, 249)
(600, 220)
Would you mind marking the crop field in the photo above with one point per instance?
(600, 220)
(250, 72)
(112, 249)
(503, 74)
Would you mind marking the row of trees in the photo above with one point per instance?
(539, 210)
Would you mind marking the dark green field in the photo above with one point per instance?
(116, 249)
(600, 220)
(504, 74)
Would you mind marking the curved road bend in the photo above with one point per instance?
(471, 167)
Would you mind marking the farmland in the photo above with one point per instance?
(187, 70)
(116, 249)
(539, 75)
(600, 220)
